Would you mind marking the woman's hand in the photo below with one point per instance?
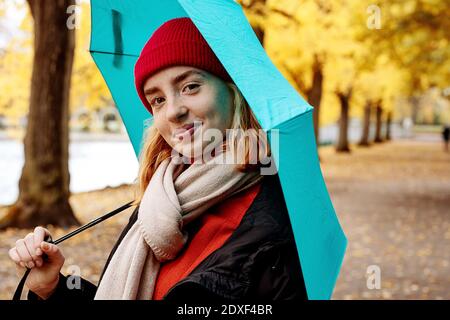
(44, 274)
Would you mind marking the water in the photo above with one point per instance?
(92, 165)
(97, 162)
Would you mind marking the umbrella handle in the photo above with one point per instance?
(19, 289)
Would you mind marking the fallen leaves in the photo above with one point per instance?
(392, 200)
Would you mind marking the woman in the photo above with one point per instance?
(203, 229)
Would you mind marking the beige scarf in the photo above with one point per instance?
(171, 200)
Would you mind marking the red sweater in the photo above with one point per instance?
(216, 226)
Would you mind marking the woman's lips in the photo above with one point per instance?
(185, 132)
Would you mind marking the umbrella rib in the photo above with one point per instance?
(114, 53)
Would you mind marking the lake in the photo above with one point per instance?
(93, 164)
(100, 160)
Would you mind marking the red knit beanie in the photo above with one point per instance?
(176, 42)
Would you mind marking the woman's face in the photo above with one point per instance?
(182, 95)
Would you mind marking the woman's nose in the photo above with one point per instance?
(176, 110)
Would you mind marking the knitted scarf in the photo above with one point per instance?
(172, 199)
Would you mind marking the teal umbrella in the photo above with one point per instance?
(119, 31)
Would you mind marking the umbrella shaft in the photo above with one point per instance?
(93, 222)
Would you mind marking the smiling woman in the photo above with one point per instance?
(201, 231)
(180, 96)
(183, 117)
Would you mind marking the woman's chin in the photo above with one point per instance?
(191, 155)
(189, 150)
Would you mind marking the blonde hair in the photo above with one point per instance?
(155, 149)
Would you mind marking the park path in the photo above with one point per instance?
(392, 199)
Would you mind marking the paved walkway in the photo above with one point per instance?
(393, 201)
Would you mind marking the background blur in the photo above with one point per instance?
(377, 74)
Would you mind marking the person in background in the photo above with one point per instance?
(446, 136)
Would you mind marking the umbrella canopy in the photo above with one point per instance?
(119, 31)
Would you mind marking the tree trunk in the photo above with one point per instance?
(259, 34)
(388, 126)
(415, 106)
(44, 183)
(366, 125)
(256, 7)
(342, 144)
(315, 94)
(379, 115)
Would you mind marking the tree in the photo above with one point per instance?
(44, 183)
(15, 63)
(256, 14)
(88, 88)
(323, 47)
(293, 27)
(344, 100)
(364, 141)
(379, 122)
(416, 35)
(314, 92)
(388, 126)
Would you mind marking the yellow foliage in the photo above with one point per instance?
(88, 88)
(15, 69)
(406, 56)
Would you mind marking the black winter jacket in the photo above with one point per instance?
(258, 262)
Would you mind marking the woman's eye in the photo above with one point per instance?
(190, 87)
(156, 101)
